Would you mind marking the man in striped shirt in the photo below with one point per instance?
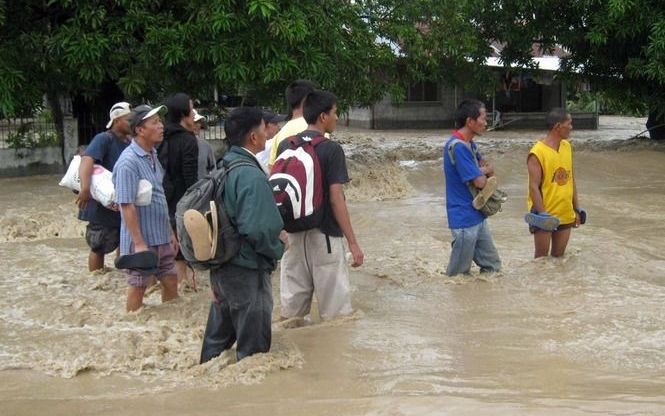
(145, 227)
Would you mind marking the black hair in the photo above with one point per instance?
(468, 108)
(555, 116)
(296, 93)
(240, 122)
(317, 102)
(178, 106)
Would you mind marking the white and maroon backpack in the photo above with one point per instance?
(297, 184)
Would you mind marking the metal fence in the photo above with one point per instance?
(27, 133)
(91, 124)
(215, 132)
(31, 133)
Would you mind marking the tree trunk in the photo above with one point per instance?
(58, 118)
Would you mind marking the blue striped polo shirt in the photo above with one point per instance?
(133, 165)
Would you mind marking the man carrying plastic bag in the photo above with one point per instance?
(103, 230)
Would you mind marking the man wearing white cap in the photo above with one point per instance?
(147, 227)
(103, 230)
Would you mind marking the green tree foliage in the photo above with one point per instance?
(619, 45)
(359, 49)
(153, 47)
(435, 39)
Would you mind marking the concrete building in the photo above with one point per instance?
(520, 100)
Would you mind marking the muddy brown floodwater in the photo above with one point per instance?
(584, 334)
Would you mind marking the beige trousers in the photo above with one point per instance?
(314, 264)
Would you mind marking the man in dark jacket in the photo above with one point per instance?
(178, 155)
(242, 309)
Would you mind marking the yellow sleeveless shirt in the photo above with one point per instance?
(557, 182)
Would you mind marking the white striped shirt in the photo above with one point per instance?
(133, 165)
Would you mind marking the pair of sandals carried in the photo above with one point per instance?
(485, 193)
(547, 222)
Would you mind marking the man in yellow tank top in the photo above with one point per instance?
(552, 188)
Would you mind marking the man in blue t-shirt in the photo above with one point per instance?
(472, 239)
(103, 231)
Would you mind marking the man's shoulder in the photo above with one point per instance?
(291, 128)
(99, 142)
(203, 143)
(182, 138)
(246, 161)
(454, 144)
(450, 140)
(102, 135)
(127, 158)
(330, 146)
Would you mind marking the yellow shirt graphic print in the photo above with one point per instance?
(557, 185)
(561, 176)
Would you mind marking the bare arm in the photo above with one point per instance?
(535, 179)
(486, 167)
(341, 214)
(480, 181)
(132, 223)
(85, 174)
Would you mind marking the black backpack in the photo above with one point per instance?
(206, 191)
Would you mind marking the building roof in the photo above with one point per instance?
(546, 60)
(545, 63)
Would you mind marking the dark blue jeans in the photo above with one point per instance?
(241, 311)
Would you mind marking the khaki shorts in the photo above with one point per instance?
(314, 264)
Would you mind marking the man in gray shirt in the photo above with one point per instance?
(207, 162)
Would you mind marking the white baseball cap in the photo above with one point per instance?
(118, 110)
(198, 117)
(143, 112)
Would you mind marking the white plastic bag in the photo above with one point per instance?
(144, 194)
(71, 179)
(101, 185)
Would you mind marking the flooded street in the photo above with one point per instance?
(580, 335)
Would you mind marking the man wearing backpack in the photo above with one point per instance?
(103, 230)
(472, 239)
(316, 259)
(242, 309)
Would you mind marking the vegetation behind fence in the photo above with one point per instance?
(28, 133)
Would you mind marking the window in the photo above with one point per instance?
(423, 91)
